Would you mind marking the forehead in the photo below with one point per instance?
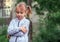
(20, 8)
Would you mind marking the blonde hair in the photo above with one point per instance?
(28, 8)
(21, 3)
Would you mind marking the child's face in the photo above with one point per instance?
(20, 13)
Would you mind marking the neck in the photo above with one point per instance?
(21, 18)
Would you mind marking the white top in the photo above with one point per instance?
(14, 29)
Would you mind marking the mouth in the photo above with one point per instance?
(19, 17)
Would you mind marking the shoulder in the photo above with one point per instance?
(27, 20)
(13, 20)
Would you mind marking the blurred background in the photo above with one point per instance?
(45, 19)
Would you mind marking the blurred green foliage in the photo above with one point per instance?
(50, 5)
(54, 17)
(49, 30)
(3, 34)
(21, 1)
(2, 21)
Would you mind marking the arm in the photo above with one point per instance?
(25, 26)
(12, 29)
(24, 29)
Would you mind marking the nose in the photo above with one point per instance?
(19, 13)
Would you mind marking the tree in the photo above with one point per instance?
(49, 28)
(50, 5)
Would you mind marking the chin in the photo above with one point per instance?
(19, 18)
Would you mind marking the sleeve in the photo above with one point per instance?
(12, 29)
(26, 25)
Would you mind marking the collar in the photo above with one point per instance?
(20, 20)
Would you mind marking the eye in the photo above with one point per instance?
(17, 12)
(21, 12)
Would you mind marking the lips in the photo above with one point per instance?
(19, 17)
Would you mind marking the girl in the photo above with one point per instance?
(19, 27)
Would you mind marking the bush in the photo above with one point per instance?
(2, 21)
(49, 30)
(3, 34)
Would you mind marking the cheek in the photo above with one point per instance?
(17, 15)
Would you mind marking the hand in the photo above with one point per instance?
(23, 29)
(8, 36)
